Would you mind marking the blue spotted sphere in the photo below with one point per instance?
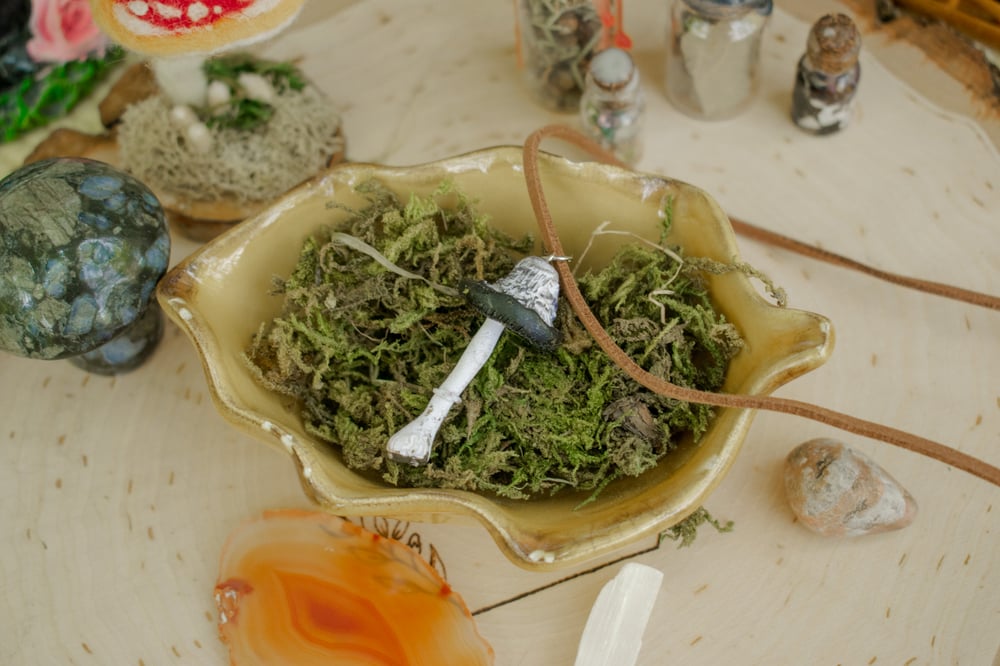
(82, 246)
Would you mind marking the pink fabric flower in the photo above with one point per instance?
(63, 30)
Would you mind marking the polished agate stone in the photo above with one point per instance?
(82, 246)
(306, 587)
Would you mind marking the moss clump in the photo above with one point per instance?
(361, 348)
(685, 532)
(243, 112)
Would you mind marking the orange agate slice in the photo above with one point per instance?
(306, 587)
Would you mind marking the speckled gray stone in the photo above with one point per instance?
(836, 491)
(82, 246)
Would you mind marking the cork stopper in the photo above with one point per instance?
(833, 45)
(612, 69)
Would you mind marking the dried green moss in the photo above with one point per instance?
(361, 348)
(685, 532)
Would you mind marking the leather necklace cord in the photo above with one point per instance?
(846, 422)
(936, 288)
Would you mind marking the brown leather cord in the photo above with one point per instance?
(813, 252)
(807, 410)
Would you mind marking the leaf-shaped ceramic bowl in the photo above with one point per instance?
(220, 296)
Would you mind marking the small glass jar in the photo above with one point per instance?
(713, 55)
(612, 104)
(827, 76)
(557, 40)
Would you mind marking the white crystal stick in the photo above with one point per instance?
(613, 635)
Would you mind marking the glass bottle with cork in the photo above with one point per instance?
(828, 75)
(556, 40)
(612, 104)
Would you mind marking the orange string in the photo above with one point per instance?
(518, 46)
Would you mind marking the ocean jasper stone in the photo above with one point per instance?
(82, 246)
(836, 491)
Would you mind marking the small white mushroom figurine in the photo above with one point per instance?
(523, 301)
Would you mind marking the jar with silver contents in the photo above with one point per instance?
(713, 55)
(612, 104)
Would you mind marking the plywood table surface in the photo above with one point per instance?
(116, 494)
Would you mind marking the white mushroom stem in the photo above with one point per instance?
(182, 79)
(414, 441)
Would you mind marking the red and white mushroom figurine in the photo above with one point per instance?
(177, 35)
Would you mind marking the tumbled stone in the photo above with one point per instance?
(82, 246)
(836, 491)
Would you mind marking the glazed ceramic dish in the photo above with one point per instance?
(220, 297)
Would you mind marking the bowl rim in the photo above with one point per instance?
(520, 544)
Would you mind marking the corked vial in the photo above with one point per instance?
(828, 75)
(612, 104)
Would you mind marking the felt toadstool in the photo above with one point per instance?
(178, 35)
(525, 302)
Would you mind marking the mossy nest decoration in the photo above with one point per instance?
(263, 131)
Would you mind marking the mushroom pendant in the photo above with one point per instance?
(525, 302)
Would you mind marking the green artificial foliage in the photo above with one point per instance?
(51, 93)
(242, 112)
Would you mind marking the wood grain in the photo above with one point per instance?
(117, 493)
